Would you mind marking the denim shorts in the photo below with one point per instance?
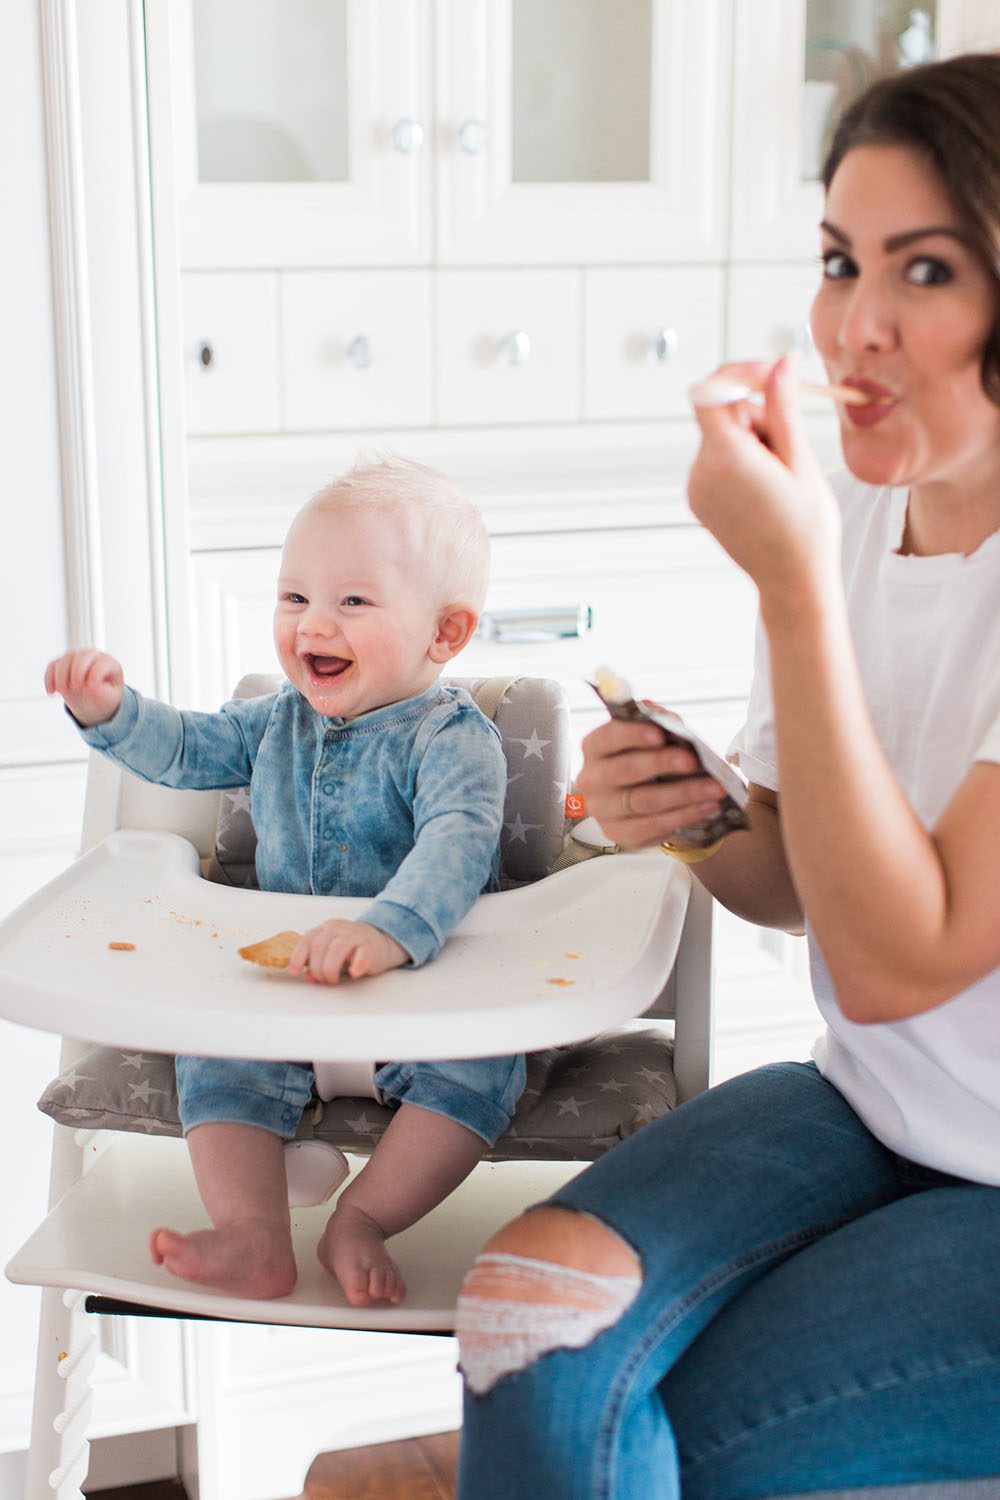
(480, 1094)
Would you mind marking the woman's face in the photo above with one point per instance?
(903, 312)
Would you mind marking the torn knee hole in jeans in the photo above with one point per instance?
(512, 1309)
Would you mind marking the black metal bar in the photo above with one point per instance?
(112, 1307)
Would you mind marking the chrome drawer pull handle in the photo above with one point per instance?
(546, 622)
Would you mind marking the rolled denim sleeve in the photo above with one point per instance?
(458, 814)
(182, 748)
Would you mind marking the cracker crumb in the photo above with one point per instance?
(571, 955)
(122, 947)
(560, 981)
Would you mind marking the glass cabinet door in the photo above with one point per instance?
(581, 130)
(271, 91)
(295, 131)
(847, 46)
(798, 64)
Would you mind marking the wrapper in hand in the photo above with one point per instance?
(617, 697)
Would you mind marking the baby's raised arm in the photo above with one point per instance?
(90, 683)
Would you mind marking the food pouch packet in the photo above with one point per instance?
(616, 695)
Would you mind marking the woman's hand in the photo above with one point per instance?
(621, 763)
(327, 952)
(90, 684)
(757, 486)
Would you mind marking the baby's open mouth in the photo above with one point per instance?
(327, 666)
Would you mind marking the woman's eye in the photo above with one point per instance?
(837, 265)
(926, 271)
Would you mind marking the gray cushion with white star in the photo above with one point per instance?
(579, 1100)
(533, 720)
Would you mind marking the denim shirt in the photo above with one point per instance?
(404, 803)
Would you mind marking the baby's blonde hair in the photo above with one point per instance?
(446, 529)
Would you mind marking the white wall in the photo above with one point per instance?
(41, 766)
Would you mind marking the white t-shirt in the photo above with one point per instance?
(927, 635)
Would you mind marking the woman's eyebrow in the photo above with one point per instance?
(898, 241)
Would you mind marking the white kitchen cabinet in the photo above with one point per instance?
(295, 134)
(575, 131)
(355, 349)
(508, 346)
(796, 64)
(230, 351)
(649, 333)
(663, 605)
(569, 131)
(768, 310)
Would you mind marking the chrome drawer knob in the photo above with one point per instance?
(361, 352)
(407, 136)
(473, 136)
(662, 346)
(515, 349)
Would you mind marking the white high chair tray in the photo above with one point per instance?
(96, 1237)
(535, 967)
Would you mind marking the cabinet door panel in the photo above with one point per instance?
(507, 88)
(355, 349)
(230, 352)
(292, 135)
(797, 64)
(648, 334)
(670, 612)
(508, 346)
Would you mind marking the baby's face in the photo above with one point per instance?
(353, 627)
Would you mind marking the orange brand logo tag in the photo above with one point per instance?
(575, 805)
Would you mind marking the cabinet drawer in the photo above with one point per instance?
(670, 611)
(508, 346)
(355, 349)
(230, 351)
(648, 335)
(769, 310)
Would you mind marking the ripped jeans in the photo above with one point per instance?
(813, 1312)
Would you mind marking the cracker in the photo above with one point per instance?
(273, 952)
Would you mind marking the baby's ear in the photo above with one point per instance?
(455, 626)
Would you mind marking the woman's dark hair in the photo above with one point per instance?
(950, 113)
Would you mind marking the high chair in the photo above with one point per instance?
(133, 949)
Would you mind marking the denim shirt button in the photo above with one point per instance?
(328, 789)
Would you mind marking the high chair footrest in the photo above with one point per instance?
(137, 1183)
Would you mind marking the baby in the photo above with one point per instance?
(367, 778)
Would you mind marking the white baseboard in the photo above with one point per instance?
(133, 1458)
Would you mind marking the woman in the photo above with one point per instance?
(792, 1283)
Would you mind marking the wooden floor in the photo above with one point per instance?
(416, 1469)
(420, 1468)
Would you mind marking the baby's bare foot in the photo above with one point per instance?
(250, 1258)
(352, 1249)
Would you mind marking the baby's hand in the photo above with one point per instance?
(336, 947)
(89, 682)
